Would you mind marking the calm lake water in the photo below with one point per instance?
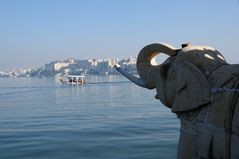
(108, 118)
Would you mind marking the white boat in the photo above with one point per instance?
(74, 80)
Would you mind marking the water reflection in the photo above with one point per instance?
(107, 118)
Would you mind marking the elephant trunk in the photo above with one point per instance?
(144, 62)
(132, 78)
(145, 68)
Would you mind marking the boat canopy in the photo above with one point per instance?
(75, 76)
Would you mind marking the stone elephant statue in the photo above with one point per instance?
(197, 84)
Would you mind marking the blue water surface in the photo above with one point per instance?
(108, 118)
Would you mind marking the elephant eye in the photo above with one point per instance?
(164, 70)
(173, 74)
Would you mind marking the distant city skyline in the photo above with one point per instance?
(74, 67)
(33, 33)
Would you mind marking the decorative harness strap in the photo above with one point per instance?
(233, 99)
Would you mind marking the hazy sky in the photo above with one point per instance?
(33, 32)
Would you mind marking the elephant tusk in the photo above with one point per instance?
(132, 78)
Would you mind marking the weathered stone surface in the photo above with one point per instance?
(203, 90)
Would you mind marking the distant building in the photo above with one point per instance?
(73, 66)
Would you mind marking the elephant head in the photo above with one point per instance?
(181, 80)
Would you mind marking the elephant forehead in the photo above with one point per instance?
(201, 56)
(203, 52)
(199, 48)
(206, 55)
(207, 60)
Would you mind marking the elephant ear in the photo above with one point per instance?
(192, 88)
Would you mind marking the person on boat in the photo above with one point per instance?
(80, 81)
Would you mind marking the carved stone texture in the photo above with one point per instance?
(197, 84)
